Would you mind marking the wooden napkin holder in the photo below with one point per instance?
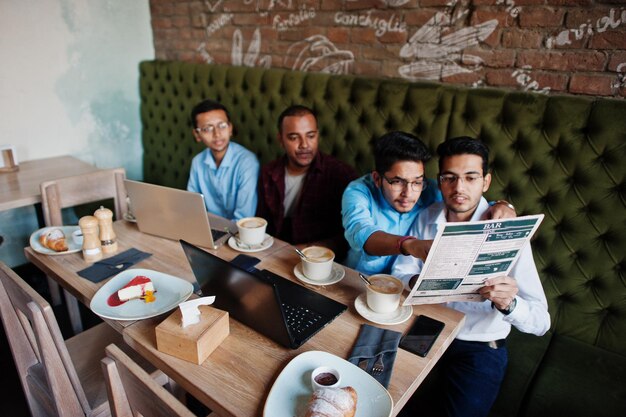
(195, 342)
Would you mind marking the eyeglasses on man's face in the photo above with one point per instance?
(399, 184)
(211, 129)
(451, 179)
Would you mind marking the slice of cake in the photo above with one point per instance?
(138, 287)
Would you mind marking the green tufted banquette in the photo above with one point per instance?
(558, 155)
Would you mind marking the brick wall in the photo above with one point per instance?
(547, 46)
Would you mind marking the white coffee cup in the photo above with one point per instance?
(318, 263)
(252, 230)
(383, 293)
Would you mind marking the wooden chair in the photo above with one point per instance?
(133, 393)
(72, 191)
(59, 378)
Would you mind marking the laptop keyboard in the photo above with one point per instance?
(299, 318)
(217, 234)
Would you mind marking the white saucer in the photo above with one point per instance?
(266, 244)
(129, 217)
(335, 276)
(402, 313)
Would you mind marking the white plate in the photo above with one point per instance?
(292, 389)
(170, 292)
(335, 276)
(67, 231)
(266, 244)
(402, 313)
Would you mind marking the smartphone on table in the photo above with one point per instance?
(422, 335)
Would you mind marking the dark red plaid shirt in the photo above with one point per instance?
(317, 212)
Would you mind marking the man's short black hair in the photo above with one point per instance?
(206, 106)
(398, 146)
(461, 146)
(295, 110)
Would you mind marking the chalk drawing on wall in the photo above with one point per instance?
(252, 57)
(318, 54)
(438, 55)
(610, 21)
(212, 6)
(510, 7)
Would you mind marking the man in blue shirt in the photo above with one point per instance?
(379, 208)
(225, 173)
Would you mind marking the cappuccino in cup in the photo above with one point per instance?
(252, 230)
(383, 295)
(318, 263)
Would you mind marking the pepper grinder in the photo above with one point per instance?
(107, 235)
(92, 250)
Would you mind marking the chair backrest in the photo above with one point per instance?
(45, 368)
(80, 189)
(133, 392)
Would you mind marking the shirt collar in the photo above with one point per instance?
(226, 161)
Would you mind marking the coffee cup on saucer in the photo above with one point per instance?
(317, 263)
(383, 293)
(252, 230)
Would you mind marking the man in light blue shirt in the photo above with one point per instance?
(225, 173)
(379, 208)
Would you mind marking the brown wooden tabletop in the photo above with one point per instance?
(21, 188)
(236, 378)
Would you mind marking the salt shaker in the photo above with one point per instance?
(92, 250)
(108, 240)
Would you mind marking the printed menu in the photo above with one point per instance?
(465, 254)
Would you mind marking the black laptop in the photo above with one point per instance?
(276, 307)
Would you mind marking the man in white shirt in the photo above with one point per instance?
(474, 365)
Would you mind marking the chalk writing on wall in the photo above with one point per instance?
(381, 26)
(620, 80)
(317, 53)
(218, 23)
(523, 79)
(391, 3)
(252, 57)
(510, 7)
(206, 57)
(281, 23)
(437, 47)
(611, 21)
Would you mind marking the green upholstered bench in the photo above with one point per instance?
(558, 155)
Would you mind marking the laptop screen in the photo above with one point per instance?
(246, 297)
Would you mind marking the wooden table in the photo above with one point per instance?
(236, 379)
(21, 188)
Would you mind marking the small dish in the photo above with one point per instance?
(170, 291)
(267, 243)
(400, 315)
(335, 276)
(128, 216)
(72, 246)
(325, 377)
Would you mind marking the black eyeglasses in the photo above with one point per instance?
(399, 184)
(450, 179)
(210, 129)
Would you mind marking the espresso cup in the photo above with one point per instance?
(383, 293)
(252, 230)
(318, 263)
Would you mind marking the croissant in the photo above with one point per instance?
(54, 239)
(332, 402)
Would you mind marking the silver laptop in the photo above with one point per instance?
(176, 214)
